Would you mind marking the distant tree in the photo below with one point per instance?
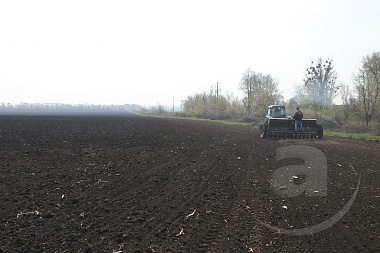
(247, 86)
(345, 94)
(195, 104)
(292, 102)
(235, 105)
(267, 92)
(347, 101)
(367, 85)
(213, 105)
(260, 91)
(320, 83)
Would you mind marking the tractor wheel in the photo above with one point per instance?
(319, 131)
(264, 131)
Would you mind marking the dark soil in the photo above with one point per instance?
(145, 184)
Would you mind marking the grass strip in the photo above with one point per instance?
(228, 122)
(362, 136)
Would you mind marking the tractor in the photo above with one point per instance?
(277, 124)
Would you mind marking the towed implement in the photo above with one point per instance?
(277, 125)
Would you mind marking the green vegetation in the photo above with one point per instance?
(228, 122)
(362, 136)
(358, 115)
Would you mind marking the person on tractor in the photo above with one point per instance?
(298, 115)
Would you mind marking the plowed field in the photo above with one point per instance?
(145, 184)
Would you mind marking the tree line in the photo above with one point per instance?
(60, 108)
(259, 90)
(360, 100)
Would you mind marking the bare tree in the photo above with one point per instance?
(260, 89)
(320, 83)
(367, 85)
(247, 87)
(346, 98)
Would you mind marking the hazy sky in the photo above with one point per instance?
(147, 51)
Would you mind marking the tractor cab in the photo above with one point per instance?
(276, 111)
